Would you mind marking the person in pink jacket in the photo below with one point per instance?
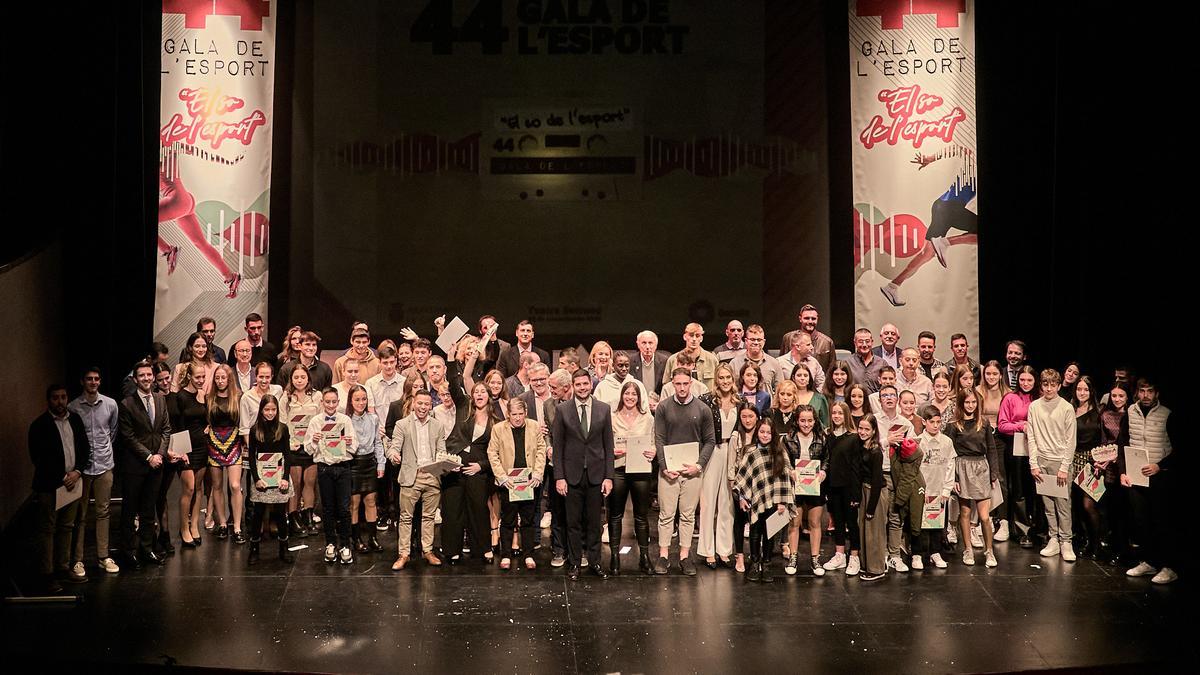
(1017, 486)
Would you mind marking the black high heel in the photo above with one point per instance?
(188, 544)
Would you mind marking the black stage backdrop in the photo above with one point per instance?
(1079, 244)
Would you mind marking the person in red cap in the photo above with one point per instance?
(909, 497)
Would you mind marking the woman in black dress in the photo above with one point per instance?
(189, 412)
(267, 457)
(465, 493)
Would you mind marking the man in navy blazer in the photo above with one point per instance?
(59, 449)
(583, 469)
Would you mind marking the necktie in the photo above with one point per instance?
(583, 419)
(150, 408)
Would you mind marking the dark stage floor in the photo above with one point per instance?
(207, 608)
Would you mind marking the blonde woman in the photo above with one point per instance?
(716, 497)
(600, 361)
(225, 452)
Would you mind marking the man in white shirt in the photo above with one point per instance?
(1050, 440)
(242, 370)
(893, 429)
(387, 385)
(417, 441)
(99, 415)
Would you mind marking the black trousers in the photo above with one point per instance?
(278, 516)
(139, 497)
(1153, 520)
(760, 544)
(387, 495)
(335, 482)
(510, 513)
(464, 509)
(625, 485)
(1024, 505)
(558, 516)
(740, 519)
(845, 516)
(583, 503)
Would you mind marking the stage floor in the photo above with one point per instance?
(206, 608)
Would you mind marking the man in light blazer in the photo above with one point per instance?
(417, 440)
(144, 429)
(541, 404)
(505, 456)
(583, 469)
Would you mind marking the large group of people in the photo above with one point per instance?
(902, 459)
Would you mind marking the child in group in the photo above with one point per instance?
(909, 497)
(333, 455)
(937, 468)
(845, 488)
(269, 444)
(872, 517)
(764, 485)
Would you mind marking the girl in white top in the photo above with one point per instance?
(628, 421)
(264, 375)
(300, 403)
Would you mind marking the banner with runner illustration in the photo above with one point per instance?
(214, 172)
(913, 115)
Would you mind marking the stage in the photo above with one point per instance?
(206, 608)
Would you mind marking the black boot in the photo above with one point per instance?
(373, 538)
(294, 527)
(253, 558)
(615, 563)
(284, 554)
(754, 571)
(764, 568)
(642, 532)
(356, 540)
(313, 527)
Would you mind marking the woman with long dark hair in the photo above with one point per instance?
(1021, 498)
(764, 486)
(366, 470)
(1087, 437)
(465, 493)
(629, 421)
(300, 402)
(267, 456)
(742, 440)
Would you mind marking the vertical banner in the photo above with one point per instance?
(912, 101)
(214, 171)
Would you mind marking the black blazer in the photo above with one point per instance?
(572, 450)
(140, 436)
(267, 352)
(530, 400)
(510, 360)
(660, 364)
(46, 451)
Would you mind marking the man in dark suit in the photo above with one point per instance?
(510, 359)
(145, 433)
(59, 449)
(583, 469)
(648, 365)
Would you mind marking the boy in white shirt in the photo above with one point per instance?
(1050, 439)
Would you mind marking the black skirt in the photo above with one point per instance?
(198, 459)
(364, 475)
(300, 458)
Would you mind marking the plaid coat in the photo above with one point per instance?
(756, 485)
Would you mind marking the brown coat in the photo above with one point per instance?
(501, 452)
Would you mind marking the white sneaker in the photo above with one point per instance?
(895, 563)
(1052, 549)
(937, 561)
(790, 568)
(110, 566)
(1068, 552)
(330, 553)
(1165, 576)
(837, 562)
(892, 293)
(990, 559)
(968, 557)
(1143, 569)
(546, 518)
(437, 517)
(852, 566)
(346, 555)
(604, 534)
(816, 567)
(77, 572)
(916, 563)
(952, 534)
(1001, 532)
(976, 537)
